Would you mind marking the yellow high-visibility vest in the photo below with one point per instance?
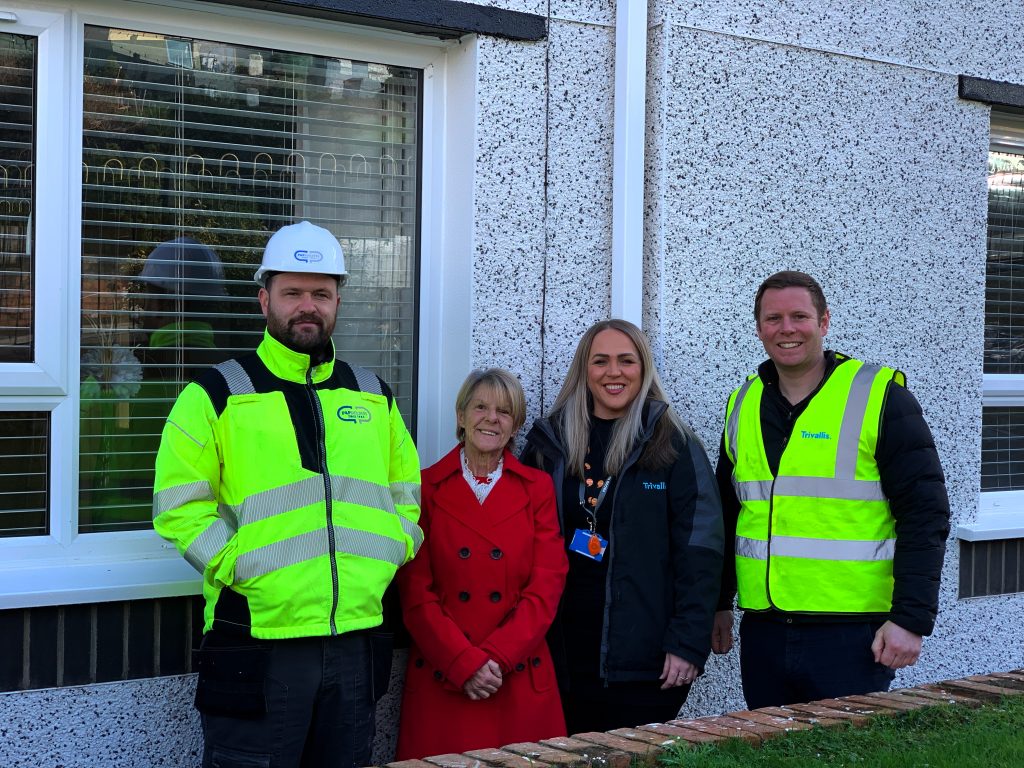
(296, 487)
(819, 537)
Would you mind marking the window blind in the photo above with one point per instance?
(194, 152)
(24, 479)
(17, 139)
(24, 436)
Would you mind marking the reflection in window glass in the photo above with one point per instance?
(1002, 449)
(17, 139)
(194, 153)
(1004, 277)
(24, 441)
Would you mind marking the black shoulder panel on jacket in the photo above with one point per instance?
(216, 387)
(348, 376)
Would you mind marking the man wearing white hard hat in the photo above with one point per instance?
(287, 478)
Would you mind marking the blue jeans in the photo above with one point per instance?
(318, 700)
(792, 663)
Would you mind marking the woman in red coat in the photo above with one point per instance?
(483, 590)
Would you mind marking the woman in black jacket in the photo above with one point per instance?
(639, 510)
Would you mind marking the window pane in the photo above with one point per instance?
(1004, 283)
(194, 152)
(1002, 449)
(17, 139)
(24, 441)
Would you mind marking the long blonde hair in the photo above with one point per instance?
(573, 406)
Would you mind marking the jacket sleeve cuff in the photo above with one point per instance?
(465, 665)
(918, 626)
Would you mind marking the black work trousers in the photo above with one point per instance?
(793, 663)
(317, 694)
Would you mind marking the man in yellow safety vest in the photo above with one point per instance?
(836, 507)
(287, 478)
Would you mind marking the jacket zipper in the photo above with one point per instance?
(321, 444)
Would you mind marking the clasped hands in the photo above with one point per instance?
(484, 682)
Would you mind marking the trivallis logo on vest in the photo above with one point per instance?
(815, 435)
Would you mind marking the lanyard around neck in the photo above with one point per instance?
(592, 515)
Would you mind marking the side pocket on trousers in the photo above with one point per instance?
(232, 681)
(381, 655)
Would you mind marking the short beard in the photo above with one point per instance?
(317, 346)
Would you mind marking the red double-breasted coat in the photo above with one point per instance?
(485, 585)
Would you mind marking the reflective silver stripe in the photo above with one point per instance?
(405, 493)
(362, 492)
(180, 495)
(237, 379)
(833, 549)
(732, 428)
(281, 554)
(414, 532)
(847, 450)
(228, 513)
(285, 498)
(313, 544)
(371, 545)
(753, 490)
(310, 490)
(367, 380)
(350, 490)
(829, 488)
(207, 544)
(816, 549)
(758, 550)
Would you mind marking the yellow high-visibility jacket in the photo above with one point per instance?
(296, 487)
(820, 536)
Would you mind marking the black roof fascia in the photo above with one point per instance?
(991, 92)
(446, 19)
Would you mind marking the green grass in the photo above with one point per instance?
(935, 737)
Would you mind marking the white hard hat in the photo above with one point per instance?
(302, 247)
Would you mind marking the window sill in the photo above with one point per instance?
(69, 583)
(1009, 525)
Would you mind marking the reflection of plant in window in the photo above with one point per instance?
(111, 375)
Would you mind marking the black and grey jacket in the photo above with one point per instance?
(665, 554)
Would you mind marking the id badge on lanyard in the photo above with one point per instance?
(589, 543)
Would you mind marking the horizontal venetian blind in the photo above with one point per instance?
(194, 152)
(24, 436)
(17, 140)
(24, 477)
(1004, 278)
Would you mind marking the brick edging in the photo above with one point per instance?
(619, 748)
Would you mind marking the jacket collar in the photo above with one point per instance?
(544, 433)
(290, 365)
(450, 464)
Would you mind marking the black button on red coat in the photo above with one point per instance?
(464, 597)
(464, 553)
(495, 597)
(496, 554)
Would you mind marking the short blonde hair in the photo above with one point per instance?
(500, 381)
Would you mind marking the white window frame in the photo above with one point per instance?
(1000, 513)
(65, 566)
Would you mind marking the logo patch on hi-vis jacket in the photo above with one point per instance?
(310, 257)
(815, 435)
(354, 413)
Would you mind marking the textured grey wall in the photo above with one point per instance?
(813, 135)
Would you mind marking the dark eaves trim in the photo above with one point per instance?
(446, 19)
(991, 92)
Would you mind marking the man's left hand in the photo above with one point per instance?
(896, 647)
